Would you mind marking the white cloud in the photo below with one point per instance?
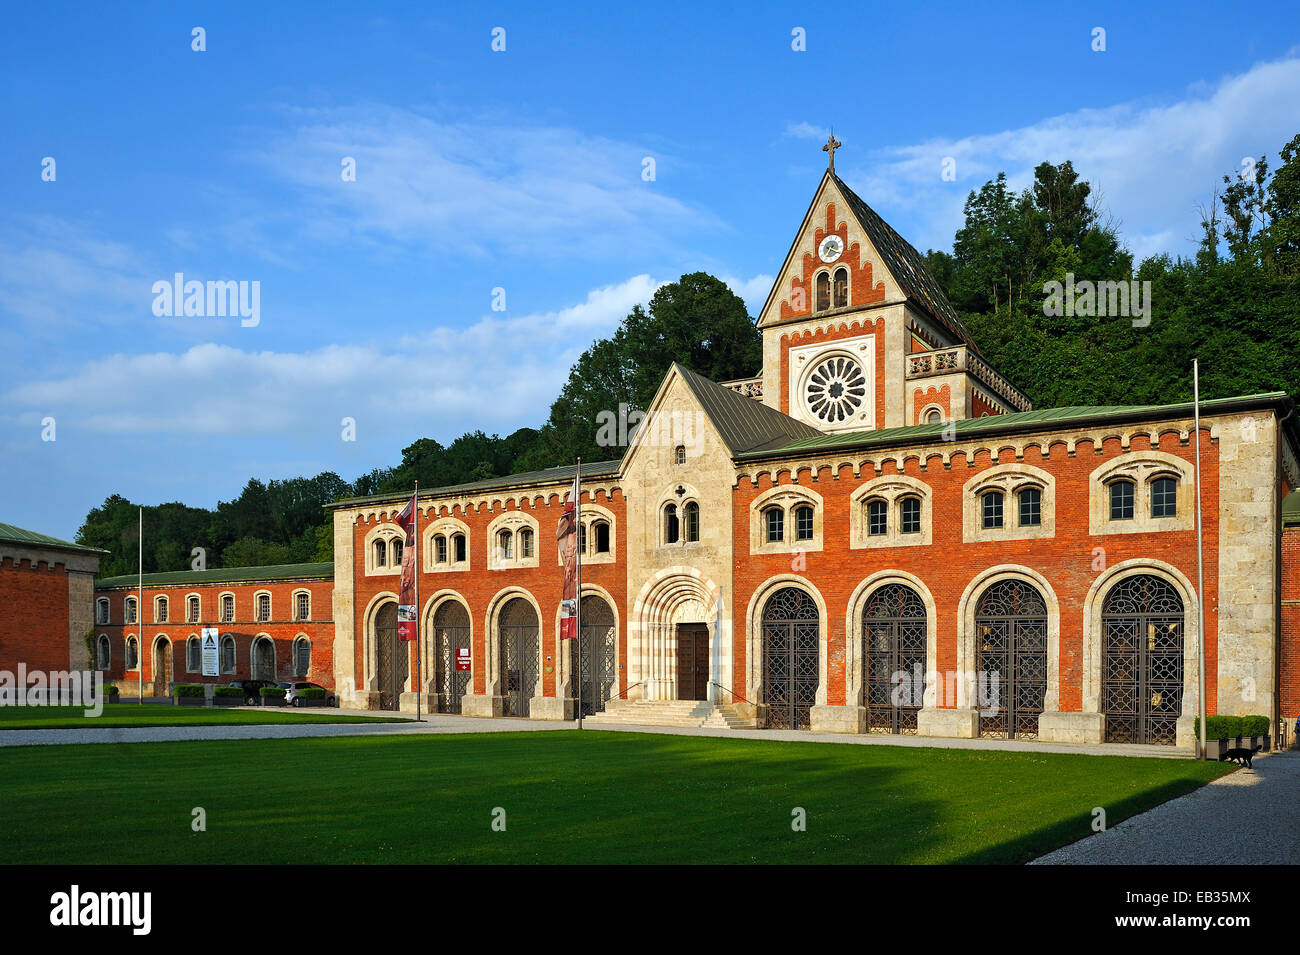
(1154, 162)
(754, 291)
(806, 131)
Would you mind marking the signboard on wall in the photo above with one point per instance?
(462, 659)
(209, 645)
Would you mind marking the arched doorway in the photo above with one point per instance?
(392, 658)
(451, 643)
(519, 649)
(791, 658)
(894, 634)
(599, 655)
(263, 667)
(162, 667)
(1142, 664)
(1011, 642)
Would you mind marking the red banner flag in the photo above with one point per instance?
(567, 535)
(406, 609)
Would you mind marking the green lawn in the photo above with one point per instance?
(159, 714)
(569, 797)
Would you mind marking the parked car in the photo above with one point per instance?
(252, 688)
(292, 691)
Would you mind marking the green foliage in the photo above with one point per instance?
(271, 692)
(110, 689)
(187, 689)
(1232, 727)
(229, 692)
(1255, 725)
(312, 693)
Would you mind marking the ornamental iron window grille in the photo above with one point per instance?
(895, 634)
(391, 658)
(791, 658)
(1142, 664)
(599, 664)
(450, 636)
(519, 652)
(1011, 642)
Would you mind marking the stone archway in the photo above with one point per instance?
(162, 666)
(674, 598)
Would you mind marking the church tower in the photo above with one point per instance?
(859, 336)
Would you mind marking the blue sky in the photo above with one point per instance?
(518, 170)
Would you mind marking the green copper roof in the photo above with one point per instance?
(560, 475)
(224, 575)
(1037, 420)
(1291, 508)
(743, 423)
(10, 534)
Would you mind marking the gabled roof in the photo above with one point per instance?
(1025, 421)
(12, 534)
(223, 575)
(560, 475)
(745, 425)
(906, 265)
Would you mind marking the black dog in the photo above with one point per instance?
(1240, 755)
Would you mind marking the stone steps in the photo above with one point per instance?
(687, 713)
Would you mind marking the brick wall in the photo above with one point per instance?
(34, 622)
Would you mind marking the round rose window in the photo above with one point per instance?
(836, 389)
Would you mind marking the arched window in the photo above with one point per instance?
(381, 552)
(227, 653)
(160, 610)
(1011, 648)
(1142, 661)
(681, 454)
(192, 605)
(582, 538)
(934, 416)
(397, 553)
(526, 542)
(774, 522)
(692, 513)
(894, 654)
(841, 288)
(505, 545)
(302, 605)
(227, 608)
(460, 548)
(791, 658)
(1031, 506)
(301, 656)
(602, 535)
(877, 517)
(263, 608)
(193, 655)
(103, 652)
(991, 508)
(672, 531)
(803, 523)
(1121, 501)
(823, 291)
(440, 548)
(101, 610)
(132, 653)
(909, 515)
(1164, 497)
(130, 609)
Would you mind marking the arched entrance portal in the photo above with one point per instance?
(599, 654)
(162, 667)
(894, 632)
(791, 658)
(263, 659)
(1011, 641)
(391, 658)
(451, 643)
(1142, 666)
(520, 647)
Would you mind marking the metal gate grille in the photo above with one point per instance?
(1011, 629)
(391, 673)
(791, 658)
(450, 634)
(519, 651)
(1142, 673)
(599, 655)
(894, 656)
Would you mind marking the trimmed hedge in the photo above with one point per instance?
(187, 689)
(271, 692)
(110, 689)
(1231, 727)
(312, 693)
(233, 692)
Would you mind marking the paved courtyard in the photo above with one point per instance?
(1251, 817)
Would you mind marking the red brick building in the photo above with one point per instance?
(273, 623)
(877, 533)
(45, 588)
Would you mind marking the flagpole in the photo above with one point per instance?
(419, 645)
(139, 613)
(1200, 566)
(577, 530)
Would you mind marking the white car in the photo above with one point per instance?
(292, 693)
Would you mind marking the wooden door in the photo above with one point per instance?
(692, 662)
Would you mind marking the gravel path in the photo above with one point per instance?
(1251, 817)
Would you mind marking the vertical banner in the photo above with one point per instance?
(406, 609)
(567, 535)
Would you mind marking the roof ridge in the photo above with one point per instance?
(744, 424)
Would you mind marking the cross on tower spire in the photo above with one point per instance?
(832, 144)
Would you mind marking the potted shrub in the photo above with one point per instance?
(228, 696)
(311, 696)
(1234, 732)
(110, 692)
(188, 694)
(271, 696)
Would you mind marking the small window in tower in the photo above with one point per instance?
(681, 454)
(841, 288)
(823, 291)
(934, 416)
